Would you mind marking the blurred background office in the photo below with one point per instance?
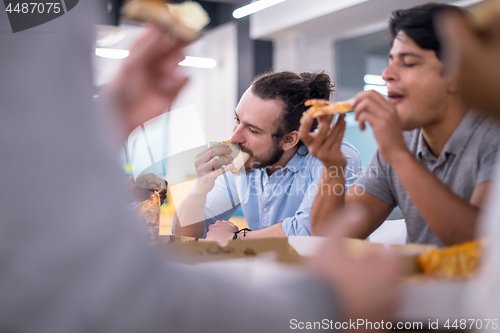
(348, 39)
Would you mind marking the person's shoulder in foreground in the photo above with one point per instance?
(75, 260)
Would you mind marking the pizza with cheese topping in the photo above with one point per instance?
(452, 262)
(239, 156)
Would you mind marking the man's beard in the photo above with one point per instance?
(263, 162)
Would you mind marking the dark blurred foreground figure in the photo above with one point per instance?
(472, 45)
(434, 151)
(73, 259)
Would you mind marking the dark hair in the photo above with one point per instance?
(418, 24)
(293, 90)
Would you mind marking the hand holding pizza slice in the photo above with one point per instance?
(239, 156)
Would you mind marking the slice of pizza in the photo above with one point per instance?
(239, 157)
(149, 214)
(452, 262)
(184, 20)
(322, 107)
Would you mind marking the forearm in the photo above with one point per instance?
(330, 197)
(189, 217)
(452, 218)
(194, 230)
(276, 230)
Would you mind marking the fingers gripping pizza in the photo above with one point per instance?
(149, 214)
(239, 156)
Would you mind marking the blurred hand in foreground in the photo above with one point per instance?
(368, 285)
(150, 79)
(472, 53)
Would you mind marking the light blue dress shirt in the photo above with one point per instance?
(286, 196)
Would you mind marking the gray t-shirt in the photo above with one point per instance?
(467, 160)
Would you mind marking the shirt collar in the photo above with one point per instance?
(457, 140)
(423, 151)
(297, 160)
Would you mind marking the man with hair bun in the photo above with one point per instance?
(277, 191)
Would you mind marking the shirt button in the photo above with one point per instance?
(265, 210)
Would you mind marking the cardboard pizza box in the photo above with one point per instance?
(425, 300)
(286, 250)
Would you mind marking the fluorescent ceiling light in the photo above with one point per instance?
(111, 53)
(198, 62)
(254, 7)
(380, 89)
(465, 3)
(374, 79)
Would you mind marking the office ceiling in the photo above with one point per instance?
(232, 2)
(357, 20)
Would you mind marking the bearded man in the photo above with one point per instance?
(277, 189)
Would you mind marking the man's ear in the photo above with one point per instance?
(291, 140)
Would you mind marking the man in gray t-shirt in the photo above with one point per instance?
(434, 157)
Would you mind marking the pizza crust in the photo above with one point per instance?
(149, 214)
(184, 21)
(322, 107)
(239, 157)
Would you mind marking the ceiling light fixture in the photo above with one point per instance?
(254, 7)
(465, 3)
(374, 79)
(111, 53)
(198, 62)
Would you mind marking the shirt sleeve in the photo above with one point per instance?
(300, 223)
(375, 180)
(488, 157)
(354, 166)
(221, 203)
(98, 273)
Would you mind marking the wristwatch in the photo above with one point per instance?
(245, 230)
